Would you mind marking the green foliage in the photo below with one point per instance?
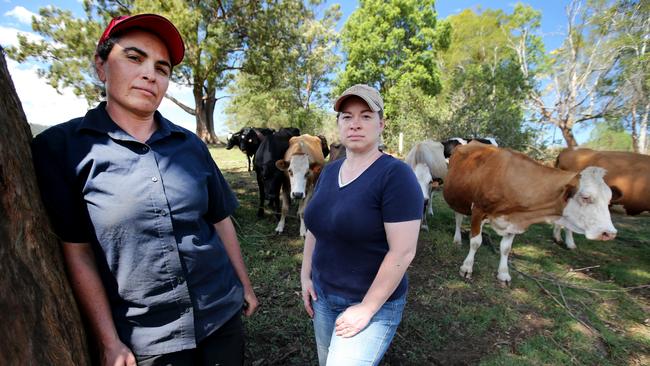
(487, 100)
(485, 86)
(607, 137)
(387, 42)
(284, 86)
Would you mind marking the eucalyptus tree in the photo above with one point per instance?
(484, 87)
(629, 83)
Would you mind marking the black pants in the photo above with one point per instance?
(224, 347)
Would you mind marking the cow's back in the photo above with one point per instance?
(627, 171)
(500, 181)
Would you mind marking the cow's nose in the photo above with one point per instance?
(297, 195)
(608, 235)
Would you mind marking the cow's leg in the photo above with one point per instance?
(423, 221)
(284, 197)
(260, 186)
(506, 244)
(459, 222)
(568, 239)
(557, 233)
(474, 243)
(431, 204)
(301, 215)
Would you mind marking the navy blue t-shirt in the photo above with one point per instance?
(148, 211)
(348, 224)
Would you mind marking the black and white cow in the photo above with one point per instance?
(248, 139)
(270, 179)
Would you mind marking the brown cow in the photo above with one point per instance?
(302, 163)
(511, 191)
(628, 172)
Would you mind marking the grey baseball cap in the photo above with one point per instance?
(369, 94)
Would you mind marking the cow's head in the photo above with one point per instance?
(587, 206)
(233, 140)
(425, 180)
(301, 173)
(451, 144)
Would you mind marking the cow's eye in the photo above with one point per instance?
(587, 200)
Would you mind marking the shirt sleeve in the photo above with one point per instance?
(63, 200)
(221, 199)
(402, 197)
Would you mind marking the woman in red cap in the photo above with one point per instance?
(144, 213)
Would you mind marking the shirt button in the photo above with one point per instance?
(145, 149)
(172, 248)
(154, 179)
(163, 212)
(180, 280)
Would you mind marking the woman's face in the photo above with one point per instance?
(359, 127)
(136, 73)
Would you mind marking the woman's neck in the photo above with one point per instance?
(139, 127)
(357, 163)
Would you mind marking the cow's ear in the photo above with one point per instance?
(616, 194)
(315, 167)
(569, 191)
(282, 165)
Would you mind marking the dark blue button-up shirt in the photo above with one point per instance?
(148, 211)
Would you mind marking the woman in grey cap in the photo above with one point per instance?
(144, 214)
(363, 224)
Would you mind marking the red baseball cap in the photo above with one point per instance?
(153, 23)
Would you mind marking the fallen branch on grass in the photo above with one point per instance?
(563, 304)
(556, 281)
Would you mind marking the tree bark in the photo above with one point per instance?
(40, 322)
(643, 130)
(205, 115)
(567, 133)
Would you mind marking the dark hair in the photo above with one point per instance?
(105, 48)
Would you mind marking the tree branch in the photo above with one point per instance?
(187, 109)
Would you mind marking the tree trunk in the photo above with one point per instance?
(205, 115)
(40, 322)
(643, 130)
(635, 137)
(567, 133)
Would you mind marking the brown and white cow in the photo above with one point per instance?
(427, 160)
(627, 172)
(302, 163)
(511, 191)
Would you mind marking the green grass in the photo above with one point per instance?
(557, 311)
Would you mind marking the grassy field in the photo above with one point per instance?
(590, 306)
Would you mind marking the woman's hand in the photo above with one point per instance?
(353, 320)
(117, 354)
(308, 295)
(250, 301)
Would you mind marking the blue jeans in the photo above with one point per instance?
(366, 347)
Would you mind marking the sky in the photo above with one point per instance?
(44, 106)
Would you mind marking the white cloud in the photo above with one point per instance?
(41, 103)
(9, 36)
(22, 14)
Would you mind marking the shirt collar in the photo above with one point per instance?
(97, 119)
